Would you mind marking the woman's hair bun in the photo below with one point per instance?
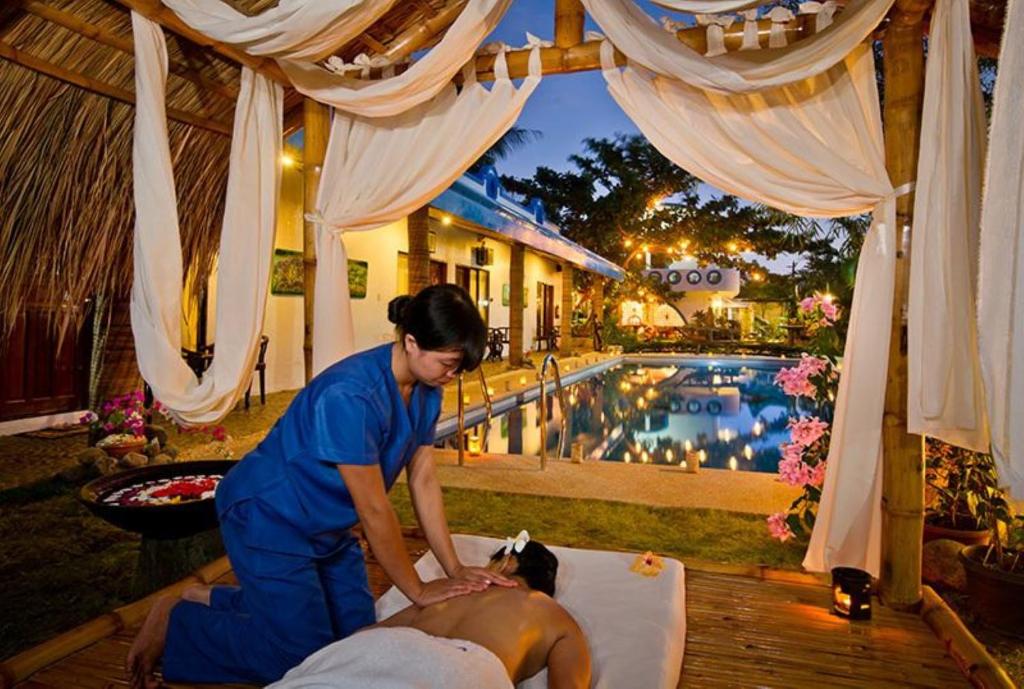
(397, 307)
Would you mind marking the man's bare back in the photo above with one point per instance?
(526, 629)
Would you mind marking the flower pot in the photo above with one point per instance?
(121, 449)
(965, 536)
(995, 595)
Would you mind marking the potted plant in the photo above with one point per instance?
(963, 489)
(995, 573)
(120, 425)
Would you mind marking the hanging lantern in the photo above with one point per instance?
(851, 593)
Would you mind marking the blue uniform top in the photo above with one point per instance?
(352, 413)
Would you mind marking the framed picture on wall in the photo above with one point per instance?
(286, 272)
(431, 241)
(357, 272)
(505, 289)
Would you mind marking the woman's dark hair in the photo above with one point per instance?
(442, 318)
(536, 564)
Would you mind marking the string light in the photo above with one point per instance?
(446, 220)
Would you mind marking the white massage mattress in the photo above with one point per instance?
(635, 625)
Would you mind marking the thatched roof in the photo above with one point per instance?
(66, 88)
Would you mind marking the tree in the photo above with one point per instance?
(623, 194)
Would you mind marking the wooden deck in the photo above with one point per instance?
(741, 632)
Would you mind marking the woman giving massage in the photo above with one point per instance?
(287, 508)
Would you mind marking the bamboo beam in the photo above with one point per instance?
(420, 34)
(586, 56)
(418, 231)
(903, 453)
(317, 123)
(971, 656)
(19, 57)
(155, 11)
(568, 23)
(123, 44)
(516, 304)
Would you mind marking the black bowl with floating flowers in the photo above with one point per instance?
(162, 501)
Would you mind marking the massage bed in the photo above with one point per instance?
(635, 626)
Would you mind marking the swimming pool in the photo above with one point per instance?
(725, 413)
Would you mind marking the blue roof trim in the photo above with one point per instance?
(468, 198)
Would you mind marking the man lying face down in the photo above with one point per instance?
(485, 640)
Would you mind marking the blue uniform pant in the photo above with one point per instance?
(286, 607)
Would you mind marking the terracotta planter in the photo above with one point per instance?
(121, 449)
(965, 536)
(997, 596)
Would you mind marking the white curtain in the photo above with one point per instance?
(380, 170)
(811, 148)
(246, 243)
(418, 84)
(298, 29)
(644, 42)
(946, 398)
(1001, 272)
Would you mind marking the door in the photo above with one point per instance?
(38, 374)
(477, 282)
(545, 309)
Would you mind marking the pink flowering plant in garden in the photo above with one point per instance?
(814, 381)
(216, 432)
(122, 415)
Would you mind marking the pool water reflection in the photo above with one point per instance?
(724, 414)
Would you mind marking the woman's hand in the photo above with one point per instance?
(442, 589)
(482, 574)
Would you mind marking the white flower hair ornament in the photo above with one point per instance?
(516, 545)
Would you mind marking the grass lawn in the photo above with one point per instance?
(710, 535)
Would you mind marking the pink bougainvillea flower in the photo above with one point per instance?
(817, 478)
(793, 470)
(778, 527)
(806, 431)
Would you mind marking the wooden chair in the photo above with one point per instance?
(495, 344)
(261, 368)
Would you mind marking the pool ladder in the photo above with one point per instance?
(461, 435)
(544, 402)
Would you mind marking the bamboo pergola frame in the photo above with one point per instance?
(904, 69)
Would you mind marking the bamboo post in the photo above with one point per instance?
(317, 124)
(903, 453)
(568, 23)
(516, 304)
(565, 346)
(597, 307)
(419, 249)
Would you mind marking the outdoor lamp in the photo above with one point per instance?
(851, 593)
(473, 445)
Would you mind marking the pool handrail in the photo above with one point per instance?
(461, 406)
(550, 359)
